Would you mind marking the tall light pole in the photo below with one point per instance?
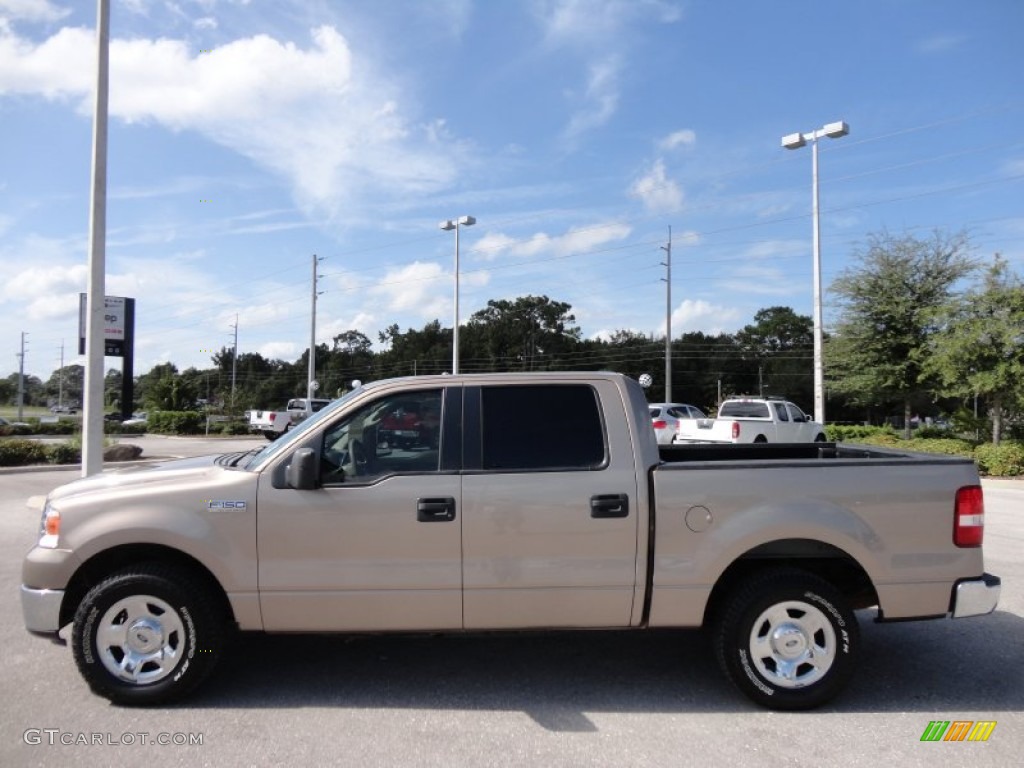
(795, 141)
(92, 397)
(448, 225)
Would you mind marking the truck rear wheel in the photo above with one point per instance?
(787, 639)
(147, 635)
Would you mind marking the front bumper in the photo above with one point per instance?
(976, 597)
(41, 609)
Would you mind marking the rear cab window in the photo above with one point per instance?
(744, 410)
(552, 427)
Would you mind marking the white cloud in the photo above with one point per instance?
(32, 10)
(601, 99)
(703, 316)
(658, 193)
(415, 288)
(683, 138)
(576, 241)
(280, 350)
(939, 44)
(303, 113)
(206, 22)
(598, 32)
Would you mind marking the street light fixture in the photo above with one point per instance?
(448, 225)
(795, 141)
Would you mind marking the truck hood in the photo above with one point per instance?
(177, 472)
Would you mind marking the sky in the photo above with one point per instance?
(247, 136)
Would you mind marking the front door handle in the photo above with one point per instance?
(609, 505)
(439, 510)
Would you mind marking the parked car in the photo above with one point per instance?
(665, 418)
(754, 420)
(137, 418)
(5, 423)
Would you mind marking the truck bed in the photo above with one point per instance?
(705, 452)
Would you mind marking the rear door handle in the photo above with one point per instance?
(609, 505)
(439, 510)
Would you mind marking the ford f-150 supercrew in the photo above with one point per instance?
(516, 501)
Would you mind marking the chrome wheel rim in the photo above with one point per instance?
(140, 639)
(792, 644)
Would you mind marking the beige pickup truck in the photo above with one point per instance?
(506, 502)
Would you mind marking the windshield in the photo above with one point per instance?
(285, 441)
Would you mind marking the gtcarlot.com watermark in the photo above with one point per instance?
(56, 737)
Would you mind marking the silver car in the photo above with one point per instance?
(665, 418)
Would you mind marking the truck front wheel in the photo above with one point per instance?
(787, 639)
(147, 635)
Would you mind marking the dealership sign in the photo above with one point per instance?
(118, 325)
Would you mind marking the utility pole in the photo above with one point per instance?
(668, 316)
(311, 383)
(21, 377)
(234, 364)
(60, 378)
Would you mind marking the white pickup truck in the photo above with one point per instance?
(753, 420)
(489, 502)
(273, 424)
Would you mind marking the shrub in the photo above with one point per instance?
(117, 428)
(16, 453)
(69, 452)
(1004, 460)
(950, 446)
(176, 422)
(857, 433)
(10, 430)
(56, 428)
(235, 428)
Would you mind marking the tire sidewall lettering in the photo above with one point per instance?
(87, 634)
(753, 676)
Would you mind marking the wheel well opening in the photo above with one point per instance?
(827, 562)
(105, 563)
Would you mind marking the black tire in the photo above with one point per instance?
(179, 633)
(803, 648)
(760, 439)
(819, 438)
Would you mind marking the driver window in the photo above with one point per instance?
(397, 434)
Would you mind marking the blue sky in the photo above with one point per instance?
(246, 135)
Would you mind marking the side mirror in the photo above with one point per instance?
(301, 473)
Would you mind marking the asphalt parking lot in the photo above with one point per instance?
(570, 699)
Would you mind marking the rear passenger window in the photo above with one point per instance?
(541, 427)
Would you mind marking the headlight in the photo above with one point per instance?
(49, 527)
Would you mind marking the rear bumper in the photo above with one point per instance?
(975, 597)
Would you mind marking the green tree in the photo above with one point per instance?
(66, 384)
(531, 333)
(424, 351)
(980, 347)
(888, 304)
(782, 344)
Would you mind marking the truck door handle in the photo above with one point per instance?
(609, 505)
(435, 510)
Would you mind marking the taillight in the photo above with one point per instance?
(969, 517)
(272, 415)
(735, 430)
(659, 424)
